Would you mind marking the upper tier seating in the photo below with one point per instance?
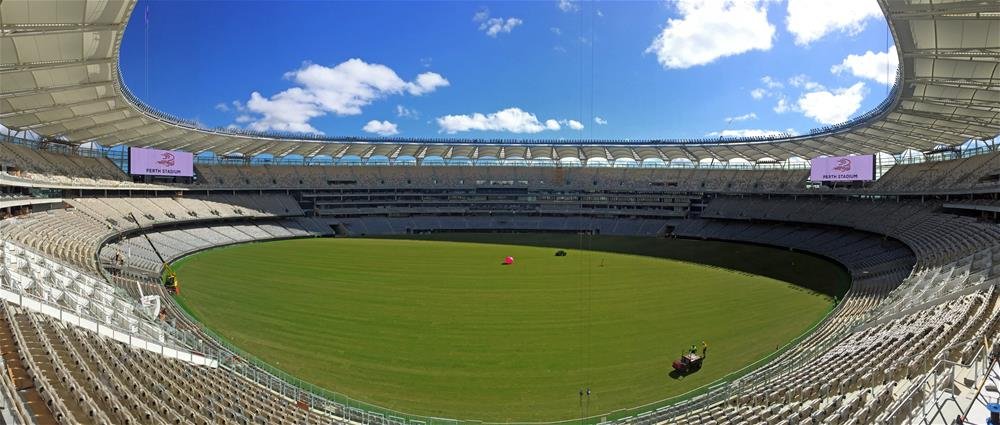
(696, 180)
(57, 166)
(40, 167)
(371, 226)
(973, 172)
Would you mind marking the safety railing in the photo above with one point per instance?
(912, 408)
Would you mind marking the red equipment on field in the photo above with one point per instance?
(688, 363)
(508, 261)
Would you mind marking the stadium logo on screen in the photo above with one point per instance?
(166, 159)
(155, 162)
(843, 168)
(843, 165)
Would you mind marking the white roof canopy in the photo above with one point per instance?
(59, 78)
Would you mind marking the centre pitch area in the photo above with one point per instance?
(439, 327)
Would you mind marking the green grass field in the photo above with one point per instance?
(438, 327)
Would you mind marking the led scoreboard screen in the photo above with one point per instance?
(843, 168)
(156, 162)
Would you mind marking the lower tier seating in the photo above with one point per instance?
(924, 285)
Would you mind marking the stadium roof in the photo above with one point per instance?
(59, 78)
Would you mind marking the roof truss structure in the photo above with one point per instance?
(59, 78)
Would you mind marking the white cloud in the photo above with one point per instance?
(600, 121)
(832, 107)
(712, 29)
(244, 118)
(382, 128)
(810, 20)
(482, 15)
(289, 110)
(221, 107)
(341, 90)
(495, 26)
(573, 124)
(744, 117)
(404, 112)
(426, 83)
(751, 132)
(880, 66)
(783, 105)
(771, 87)
(803, 81)
(771, 83)
(512, 120)
(556, 30)
(568, 5)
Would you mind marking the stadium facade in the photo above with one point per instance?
(94, 337)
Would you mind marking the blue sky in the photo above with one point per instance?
(539, 69)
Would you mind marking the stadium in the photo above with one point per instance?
(156, 270)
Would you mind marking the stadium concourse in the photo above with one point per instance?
(89, 335)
